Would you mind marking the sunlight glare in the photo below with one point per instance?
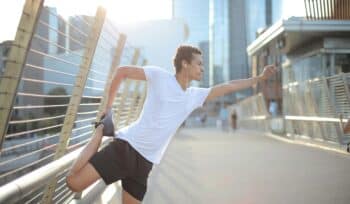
(128, 11)
(119, 11)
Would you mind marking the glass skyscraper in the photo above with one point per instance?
(195, 13)
(218, 41)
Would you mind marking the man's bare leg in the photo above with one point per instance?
(89, 150)
(128, 199)
(82, 173)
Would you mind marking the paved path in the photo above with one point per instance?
(208, 166)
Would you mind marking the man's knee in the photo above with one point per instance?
(72, 184)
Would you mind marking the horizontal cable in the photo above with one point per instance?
(94, 97)
(70, 25)
(84, 120)
(53, 57)
(108, 41)
(51, 106)
(78, 144)
(26, 155)
(87, 113)
(39, 106)
(32, 131)
(109, 34)
(34, 194)
(90, 104)
(67, 197)
(60, 188)
(83, 20)
(105, 59)
(34, 120)
(35, 197)
(29, 143)
(57, 45)
(105, 45)
(110, 27)
(97, 72)
(79, 136)
(26, 166)
(50, 70)
(62, 174)
(80, 128)
(97, 63)
(61, 33)
(92, 88)
(46, 82)
(43, 95)
(46, 138)
(95, 80)
(59, 195)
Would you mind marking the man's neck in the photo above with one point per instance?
(183, 80)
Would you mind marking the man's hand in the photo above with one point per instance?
(269, 71)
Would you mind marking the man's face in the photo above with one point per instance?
(195, 68)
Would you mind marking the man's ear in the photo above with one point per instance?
(184, 64)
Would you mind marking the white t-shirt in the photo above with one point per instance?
(166, 106)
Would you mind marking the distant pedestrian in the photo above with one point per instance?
(234, 120)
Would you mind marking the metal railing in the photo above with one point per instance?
(314, 109)
(53, 87)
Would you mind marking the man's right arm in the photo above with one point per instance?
(121, 73)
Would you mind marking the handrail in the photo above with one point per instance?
(299, 118)
(14, 191)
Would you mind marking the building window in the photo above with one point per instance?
(6, 52)
(342, 63)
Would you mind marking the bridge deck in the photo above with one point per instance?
(208, 166)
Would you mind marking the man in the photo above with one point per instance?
(136, 148)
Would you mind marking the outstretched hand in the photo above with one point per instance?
(269, 71)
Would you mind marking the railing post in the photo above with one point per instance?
(76, 96)
(131, 115)
(112, 71)
(126, 89)
(135, 57)
(142, 95)
(133, 102)
(121, 103)
(15, 62)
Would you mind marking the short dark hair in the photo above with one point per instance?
(184, 52)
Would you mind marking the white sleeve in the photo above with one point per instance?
(152, 72)
(199, 95)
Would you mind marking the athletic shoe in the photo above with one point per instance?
(108, 125)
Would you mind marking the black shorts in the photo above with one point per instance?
(120, 161)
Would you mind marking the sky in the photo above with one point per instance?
(119, 11)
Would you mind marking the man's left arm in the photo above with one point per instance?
(240, 84)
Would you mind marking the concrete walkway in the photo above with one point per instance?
(209, 166)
